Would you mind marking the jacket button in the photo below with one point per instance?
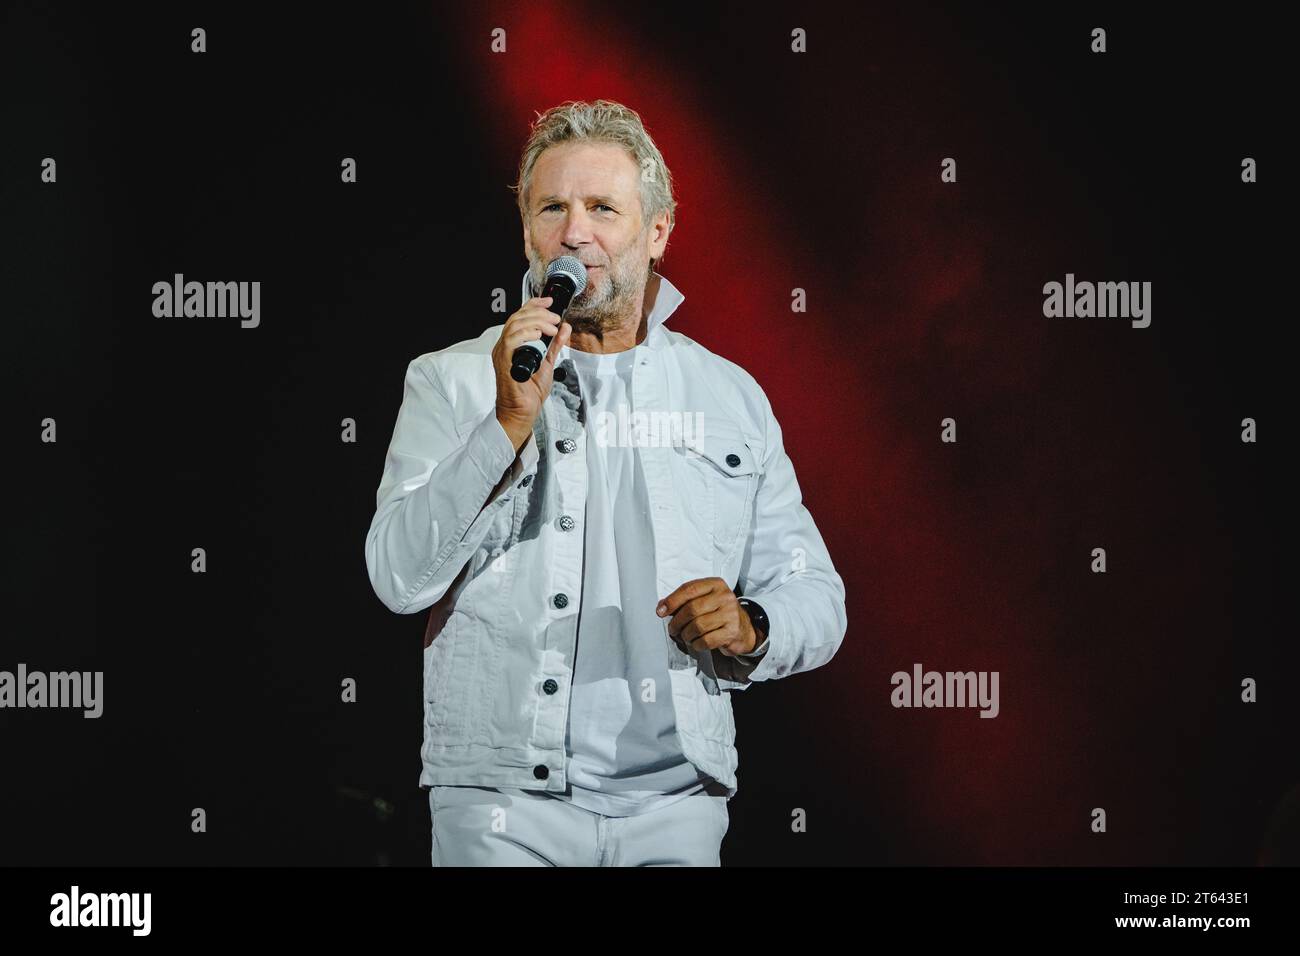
(528, 480)
(566, 523)
(561, 600)
(541, 771)
(559, 375)
(566, 445)
(733, 460)
(550, 686)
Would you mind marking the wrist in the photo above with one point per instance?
(516, 430)
(758, 623)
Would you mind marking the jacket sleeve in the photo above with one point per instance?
(787, 570)
(438, 495)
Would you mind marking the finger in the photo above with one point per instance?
(561, 338)
(693, 608)
(684, 593)
(708, 631)
(530, 316)
(696, 627)
(535, 309)
(530, 332)
(531, 312)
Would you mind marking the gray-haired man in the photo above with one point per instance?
(582, 538)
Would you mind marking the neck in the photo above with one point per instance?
(629, 335)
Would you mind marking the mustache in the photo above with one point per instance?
(541, 264)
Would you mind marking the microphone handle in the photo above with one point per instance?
(528, 358)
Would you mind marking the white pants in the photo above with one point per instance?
(481, 826)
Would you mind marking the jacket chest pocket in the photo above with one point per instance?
(720, 477)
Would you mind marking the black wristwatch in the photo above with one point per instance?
(759, 619)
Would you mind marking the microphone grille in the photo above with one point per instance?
(571, 267)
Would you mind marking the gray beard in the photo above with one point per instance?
(599, 319)
(587, 318)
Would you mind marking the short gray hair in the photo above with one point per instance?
(601, 121)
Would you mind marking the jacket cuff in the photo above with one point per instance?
(764, 667)
(492, 452)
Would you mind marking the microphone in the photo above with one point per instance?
(566, 277)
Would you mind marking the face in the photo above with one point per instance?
(585, 201)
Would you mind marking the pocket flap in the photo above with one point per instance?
(726, 449)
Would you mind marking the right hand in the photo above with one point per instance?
(519, 403)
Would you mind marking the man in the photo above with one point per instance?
(582, 539)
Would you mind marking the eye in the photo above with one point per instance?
(556, 205)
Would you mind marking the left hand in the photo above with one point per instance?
(706, 615)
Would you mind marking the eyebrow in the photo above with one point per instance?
(547, 200)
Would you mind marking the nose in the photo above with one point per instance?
(577, 229)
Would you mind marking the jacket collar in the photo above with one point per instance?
(667, 298)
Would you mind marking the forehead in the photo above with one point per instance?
(584, 169)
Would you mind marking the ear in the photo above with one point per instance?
(659, 230)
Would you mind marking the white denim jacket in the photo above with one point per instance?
(503, 580)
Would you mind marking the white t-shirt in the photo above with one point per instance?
(625, 757)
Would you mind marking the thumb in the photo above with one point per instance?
(560, 340)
